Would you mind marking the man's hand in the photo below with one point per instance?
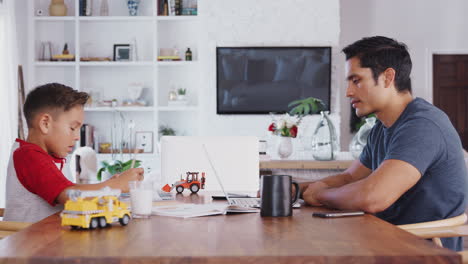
(121, 181)
(310, 193)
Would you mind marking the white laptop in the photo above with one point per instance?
(235, 158)
(243, 202)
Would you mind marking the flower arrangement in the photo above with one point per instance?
(286, 126)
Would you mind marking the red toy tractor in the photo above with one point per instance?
(190, 182)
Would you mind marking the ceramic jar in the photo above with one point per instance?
(57, 8)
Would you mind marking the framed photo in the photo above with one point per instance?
(122, 52)
(144, 141)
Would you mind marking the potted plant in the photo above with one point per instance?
(115, 167)
(181, 93)
(165, 130)
(307, 106)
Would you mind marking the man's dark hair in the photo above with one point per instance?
(53, 96)
(380, 53)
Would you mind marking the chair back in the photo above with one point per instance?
(449, 222)
(10, 227)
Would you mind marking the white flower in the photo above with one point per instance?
(289, 121)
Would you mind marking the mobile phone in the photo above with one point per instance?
(337, 214)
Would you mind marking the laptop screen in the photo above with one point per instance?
(235, 159)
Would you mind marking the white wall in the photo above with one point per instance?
(259, 23)
(424, 25)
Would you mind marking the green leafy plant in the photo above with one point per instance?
(166, 131)
(116, 166)
(181, 91)
(307, 106)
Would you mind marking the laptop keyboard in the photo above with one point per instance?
(254, 202)
(246, 202)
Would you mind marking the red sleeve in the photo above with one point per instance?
(38, 173)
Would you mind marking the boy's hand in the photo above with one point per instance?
(311, 192)
(121, 181)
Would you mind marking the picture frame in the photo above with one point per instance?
(144, 140)
(122, 52)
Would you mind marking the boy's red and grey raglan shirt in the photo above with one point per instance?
(34, 180)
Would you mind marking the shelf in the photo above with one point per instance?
(176, 63)
(177, 108)
(55, 63)
(54, 18)
(120, 108)
(115, 18)
(138, 155)
(94, 37)
(176, 18)
(115, 63)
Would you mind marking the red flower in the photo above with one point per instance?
(272, 127)
(293, 131)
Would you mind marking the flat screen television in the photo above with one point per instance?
(260, 80)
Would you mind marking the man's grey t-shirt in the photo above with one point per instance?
(424, 137)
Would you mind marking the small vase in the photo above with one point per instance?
(285, 148)
(133, 7)
(324, 141)
(57, 8)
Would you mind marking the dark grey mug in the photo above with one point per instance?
(275, 194)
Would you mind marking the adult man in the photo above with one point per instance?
(412, 168)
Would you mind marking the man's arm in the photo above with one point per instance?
(374, 193)
(120, 182)
(354, 173)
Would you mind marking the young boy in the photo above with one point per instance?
(35, 185)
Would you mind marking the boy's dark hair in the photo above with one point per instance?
(54, 96)
(380, 53)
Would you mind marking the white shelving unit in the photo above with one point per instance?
(95, 36)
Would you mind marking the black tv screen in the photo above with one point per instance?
(260, 80)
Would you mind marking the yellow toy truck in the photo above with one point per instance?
(92, 209)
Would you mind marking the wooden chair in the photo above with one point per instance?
(9, 227)
(435, 230)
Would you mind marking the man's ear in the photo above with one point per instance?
(45, 121)
(389, 77)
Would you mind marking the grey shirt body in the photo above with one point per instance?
(22, 205)
(424, 137)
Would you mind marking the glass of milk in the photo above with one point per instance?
(141, 198)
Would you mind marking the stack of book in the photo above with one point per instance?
(169, 58)
(177, 7)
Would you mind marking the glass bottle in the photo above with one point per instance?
(324, 141)
(188, 55)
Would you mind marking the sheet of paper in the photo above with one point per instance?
(196, 210)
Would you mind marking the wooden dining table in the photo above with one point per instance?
(230, 238)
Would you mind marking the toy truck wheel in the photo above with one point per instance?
(194, 188)
(124, 220)
(180, 189)
(74, 227)
(102, 222)
(94, 223)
